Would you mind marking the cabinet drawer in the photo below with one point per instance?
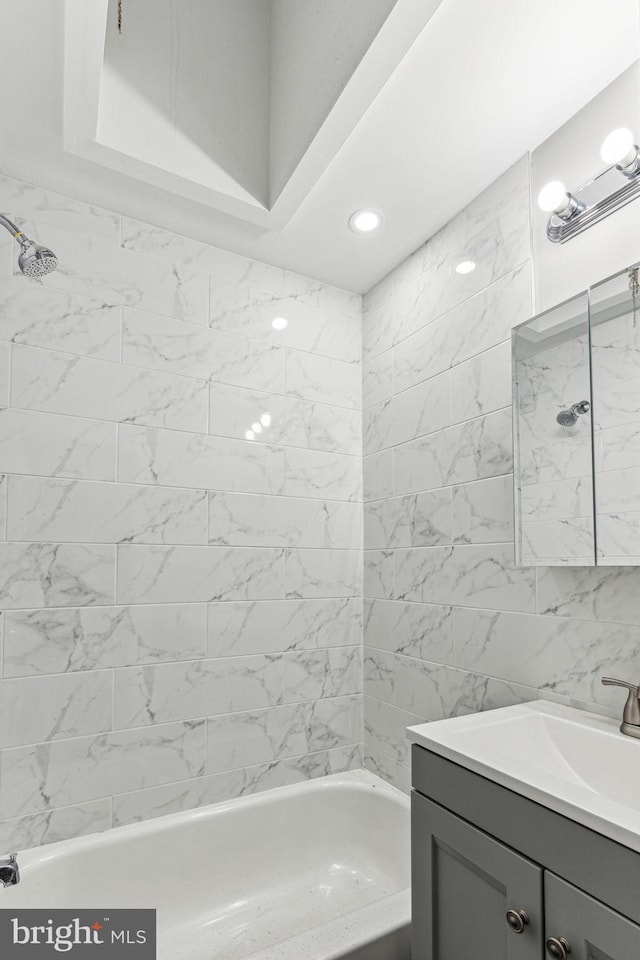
(593, 931)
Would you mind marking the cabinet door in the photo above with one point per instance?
(464, 883)
(593, 931)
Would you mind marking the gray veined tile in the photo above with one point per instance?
(377, 380)
(483, 511)
(416, 412)
(481, 385)
(379, 674)
(89, 512)
(316, 674)
(323, 573)
(377, 475)
(159, 574)
(378, 574)
(269, 626)
(180, 691)
(59, 211)
(385, 728)
(52, 826)
(65, 772)
(56, 575)
(331, 476)
(558, 541)
(311, 377)
(590, 593)
(179, 459)
(423, 519)
(324, 296)
(322, 764)
(90, 638)
(420, 630)
(239, 519)
(379, 764)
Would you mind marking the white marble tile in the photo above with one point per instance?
(324, 296)
(70, 771)
(61, 383)
(243, 520)
(312, 473)
(617, 447)
(316, 674)
(65, 823)
(192, 460)
(481, 385)
(40, 317)
(421, 520)
(377, 475)
(385, 727)
(98, 269)
(311, 377)
(323, 573)
(417, 630)
(70, 511)
(260, 736)
(421, 410)
(277, 625)
(565, 541)
(590, 593)
(36, 709)
(439, 691)
(379, 764)
(377, 380)
(61, 641)
(158, 574)
(473, 576)
(297, 423)
(5, 373)
(483, 511)
(55, 575)
(189, 794)
(26, 199)
(191, 350)
(378, 574)
(182, 691)
(322, 764)
(3, 506)
(560, 499)
(48, 445)
(378, 668)
(378, 327)
(618, 538)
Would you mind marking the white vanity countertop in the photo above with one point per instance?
(573, 762)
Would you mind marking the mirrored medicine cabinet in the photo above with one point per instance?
(576, 402)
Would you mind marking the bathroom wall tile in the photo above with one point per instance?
(316, 674)
(481, 385)
(189, 794)
(378, 475)
(440, 691)
(71, 771)
(61, 641)
(158, 574)
(419, 521)
(322, 764)
(559, 499)
(483, 511)
(323, 573)
(378, 574)
(379, 674)
(618, 537)
(239, 519)
(279, 625)
(421, 410)
(16, 196)
(195, 351)
(55, 575)
(36, 709)
(570, 539)
(179, 691)
(377, 327)
(61, 383)
(377, 380)
(379, 764)
(474, 576)
(297, 423)
(74, 510)
(5, 373)
(310, 473)
(421, 630)
(39, 317)
(291, 730)
(65, 823)
(311, 377)
(590, 593)
(96, 268)
(7, 252)
(324, 296)
(3, 507)
(191, 460)
(385, 728)
(45, 444)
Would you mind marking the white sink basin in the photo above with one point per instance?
(576, 763)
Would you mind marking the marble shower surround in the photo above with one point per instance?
(450, 624)
(182, 612)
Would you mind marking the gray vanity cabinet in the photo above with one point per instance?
(464, 884)
(593, 931)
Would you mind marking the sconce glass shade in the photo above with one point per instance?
(619, 148)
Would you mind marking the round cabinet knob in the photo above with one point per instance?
(558, 948)
(517, 920)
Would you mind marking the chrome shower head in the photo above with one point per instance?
(34, 260)
(568, 418)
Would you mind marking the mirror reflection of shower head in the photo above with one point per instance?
(34, 260)
(568, 418)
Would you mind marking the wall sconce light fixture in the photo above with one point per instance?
(608, 191)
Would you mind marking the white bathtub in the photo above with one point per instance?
(314, 871)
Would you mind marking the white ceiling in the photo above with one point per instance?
(482, 83)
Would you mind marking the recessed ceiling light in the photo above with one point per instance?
(279, 323)
(265, 419)
(364, 221)
(466, 266)
(256, 427)
(249, 435)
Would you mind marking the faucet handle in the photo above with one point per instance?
(631, 714)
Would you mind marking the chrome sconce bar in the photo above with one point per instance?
(617, 185)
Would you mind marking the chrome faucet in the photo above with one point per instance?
(631, 713)
(9, 871)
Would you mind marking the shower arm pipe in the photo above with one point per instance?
(15, 232)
